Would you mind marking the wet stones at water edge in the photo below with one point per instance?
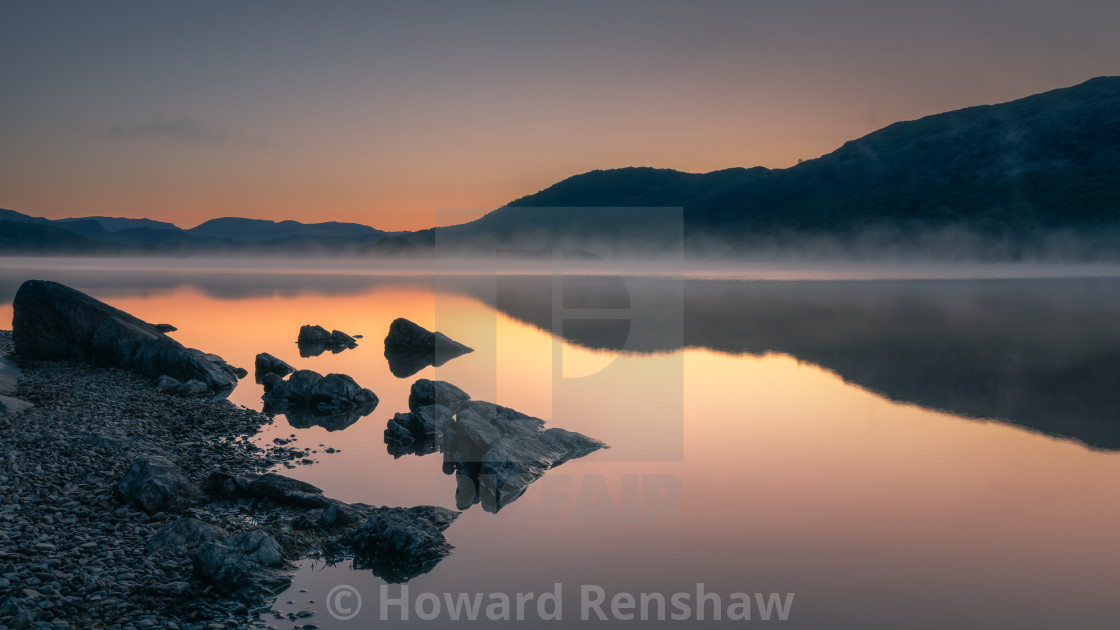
(315, 340)
(51, 321)
(190, 389)
(410, 348)
(72, 553)
(398, 544)
(249, 565)
(276, 488)
(395, 543)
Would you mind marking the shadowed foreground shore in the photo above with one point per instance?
(71, 554)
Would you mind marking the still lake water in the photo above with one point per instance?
(925, 453)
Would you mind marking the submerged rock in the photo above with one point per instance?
(247, 565)
(410, 348)
(54, 322)
(398, 544)
(154, 484)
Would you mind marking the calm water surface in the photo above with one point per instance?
(897, 453)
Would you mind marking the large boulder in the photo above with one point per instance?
(426, 392)
(511, 464)
(310, 390)
(183, 535)
(479, 424)
(247, 565)
(398, 544)
(54, 322)
(154, 484)
(410, 348)
(497, 452)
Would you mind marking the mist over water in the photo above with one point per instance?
(329, 272)
(863, 435)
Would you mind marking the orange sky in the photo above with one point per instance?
(402, 118)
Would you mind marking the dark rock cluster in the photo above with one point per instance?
(307, 398)
(315, 340)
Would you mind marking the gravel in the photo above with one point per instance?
(71, 556)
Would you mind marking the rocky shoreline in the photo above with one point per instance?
(132, 495)
(71, 554)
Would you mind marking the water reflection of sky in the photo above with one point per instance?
(877, 513)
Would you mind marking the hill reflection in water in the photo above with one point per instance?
(1042, 354)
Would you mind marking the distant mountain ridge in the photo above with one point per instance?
(1044, 163)
(1013, 177)
(257, 230)
(117, 224)
(230, 235)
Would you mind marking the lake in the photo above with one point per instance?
(916, 448)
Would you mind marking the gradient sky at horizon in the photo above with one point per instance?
(405, 116)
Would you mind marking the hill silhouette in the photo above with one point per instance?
(1034, 176)
(1018, 171)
